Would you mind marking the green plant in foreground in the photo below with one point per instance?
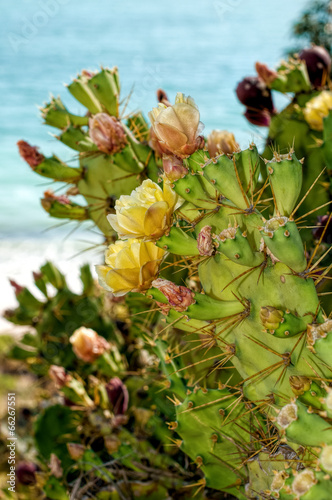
(99, 427)
(264, 430)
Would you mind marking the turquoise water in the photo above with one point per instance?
(199, 47)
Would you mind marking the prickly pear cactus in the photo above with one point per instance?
(303, 124)
(250, 295)
(113, 152)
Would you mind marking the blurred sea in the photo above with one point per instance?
(202, 48)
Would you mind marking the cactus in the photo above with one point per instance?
(113, 152)
(303, 124)
(256, 428)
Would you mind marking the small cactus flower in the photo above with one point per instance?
(322, 222)
(107, 133)
(146, 213)
(317, 109)
(271, 317)
(30, 154)
(177, 128)
(131, 265)
(173, 168)
(318, 62)
(179, 297)
(118, 396)
(59, 376)
(221, 141)
(253, 93)
(26, 473)
(260, 118)
(88, 345)
(204, 241)
(265, 73)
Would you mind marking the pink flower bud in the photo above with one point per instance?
(318, 62)
(173, 167)
(204, 241)
(107, 133)
(59, 376)
(162, 97)
(51, 196)
(30, 154)
(26, 473)
(265, 73)
(17, 288)
(179, 297)
(118, 395)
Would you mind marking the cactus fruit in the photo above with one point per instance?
(259, 427)
(113, 153)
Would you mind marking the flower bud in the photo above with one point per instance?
(265, 73)
(107, 133)
(162, 97)
(322, 222)
(204, 241)
(17, 288)
(260, 118)
(30, 154)
(318, 62)
(271, 317)
(179, 297)
(177, 128)
(221, 141)
(26, 473)
(50, 197)
(76, 450)
(118, 395)
(173, 167)
(59, 376)
(88, 345)
(299, 384)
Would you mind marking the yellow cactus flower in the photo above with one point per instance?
(317, 109)
(130, 266)
(146, 213)
(177, 128)
(221, 141)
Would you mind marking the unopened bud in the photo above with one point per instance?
(107, 133)
(204, 241)
(261, 118)
(221, 141)
(87, 344)
(173, 167)
(26, 473)
(118, 395)
(17, 288)
(299, 384)
(271, 317)
(253, 93)
(265, 73)
(162, 97)
(179, 297)
(59, 376)
(30, 154)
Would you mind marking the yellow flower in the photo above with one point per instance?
(177, 127)
(221, 141)
(130, 265)
(146, 213)
(318, 108)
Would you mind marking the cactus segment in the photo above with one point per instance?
(106, 87)
(178, 242)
